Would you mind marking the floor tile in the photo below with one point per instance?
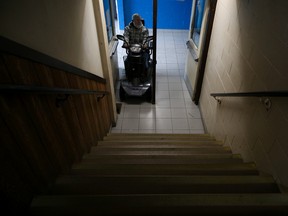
(147, 124)
(180, 124)
(131, 124)
(164, 124)
(162, 94)
(174, 111)
(131, 112)
(163, 113)
(179, 113)
(147, 113)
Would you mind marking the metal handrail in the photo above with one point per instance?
(46, 90)
(252, 94)
(28, 89)
(262, 94)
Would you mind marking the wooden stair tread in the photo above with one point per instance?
(199, 204)
(164, 169)
(158, 143)
(157, 137)
(145, 156)
(176, 148)
(91, 184)
(167, 179)
(168, 166)
(142, 138)
(159, 160)
(162, 159)
(159, 151)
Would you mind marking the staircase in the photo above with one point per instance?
(160, 174)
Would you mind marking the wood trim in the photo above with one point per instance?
(155, 10)
(203, 57)
(105, 58)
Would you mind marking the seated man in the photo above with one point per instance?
(137, 33)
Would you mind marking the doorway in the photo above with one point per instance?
(202, 17)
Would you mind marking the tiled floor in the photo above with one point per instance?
(174, 111)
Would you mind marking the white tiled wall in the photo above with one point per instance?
(249, 52)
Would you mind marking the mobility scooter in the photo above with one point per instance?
(138, 71)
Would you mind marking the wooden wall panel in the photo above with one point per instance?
(17, 120)
(51, 139)
(14, 161)
(84, 112)
(4, 75)
(21, 70)
(44, 75)
(44, 140)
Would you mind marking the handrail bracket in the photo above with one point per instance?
(218, 99)
(99, 97)
(266, 102)
(61, 99)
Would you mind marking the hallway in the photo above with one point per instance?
(174, 111)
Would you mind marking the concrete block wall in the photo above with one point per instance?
(249, 52)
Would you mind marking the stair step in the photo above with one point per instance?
(145, 156)
(165, 169)
(90, 184)
(158, 144)
(142, 159)
(158, 151)
(157, 135)
(162, 174)
(154, 137)
(162, 204)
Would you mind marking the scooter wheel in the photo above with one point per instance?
(148, 95)
(122, 94)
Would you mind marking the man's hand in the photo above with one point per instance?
(144, 46)
(125, 45)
